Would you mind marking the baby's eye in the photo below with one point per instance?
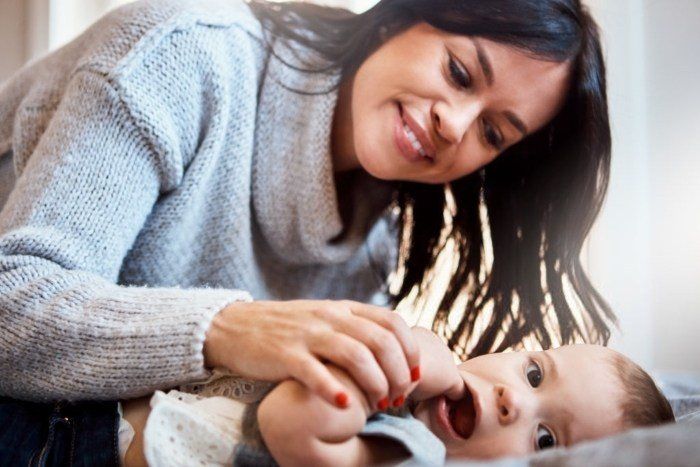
(533, 373)
(545, 438)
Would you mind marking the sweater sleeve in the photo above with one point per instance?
(68, 330)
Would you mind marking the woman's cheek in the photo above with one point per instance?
(373, 141)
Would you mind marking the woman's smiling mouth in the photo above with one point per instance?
(411, 139)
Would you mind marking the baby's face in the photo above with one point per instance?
(521, 402)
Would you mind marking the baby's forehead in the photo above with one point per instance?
(593, 359)
(574, 354)
(591, 388)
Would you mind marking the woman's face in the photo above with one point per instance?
(431, 107)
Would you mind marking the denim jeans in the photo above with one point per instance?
(58, 434)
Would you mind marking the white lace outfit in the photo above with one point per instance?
(197, 425)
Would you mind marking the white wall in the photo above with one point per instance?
(645, 251)
(618, 253)
(673, 125)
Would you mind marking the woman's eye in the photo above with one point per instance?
(492, 135)
(545, 438)
(459, 75)
(534, 374)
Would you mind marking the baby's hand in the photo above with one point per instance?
(439, 373)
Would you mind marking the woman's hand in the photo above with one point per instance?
(439, 373)
(274, 340)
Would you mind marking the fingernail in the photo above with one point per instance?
(415, 373)
(398, 402)
(383, 404)
(341, 400)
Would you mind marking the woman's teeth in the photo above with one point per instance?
(414, 141)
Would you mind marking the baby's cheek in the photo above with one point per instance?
(488, 447)
(421, 413)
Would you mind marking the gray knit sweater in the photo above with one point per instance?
(164, 169)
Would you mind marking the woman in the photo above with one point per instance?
(180, 159)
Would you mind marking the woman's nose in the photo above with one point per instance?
(453, 121)
(508, 404)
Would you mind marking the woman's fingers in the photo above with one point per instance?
(387, 351)
(355, 358)
(393, 322)
(315, 376)
(294, 339)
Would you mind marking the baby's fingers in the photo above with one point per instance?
(457, 389)
(315, 376)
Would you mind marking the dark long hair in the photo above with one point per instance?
(532, 207)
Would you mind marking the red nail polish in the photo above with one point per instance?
(341, 400)
(415, 373)
(383, 404)
(398, 402)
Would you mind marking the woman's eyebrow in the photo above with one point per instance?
(484, 62)
(487, 70)
(516, 122)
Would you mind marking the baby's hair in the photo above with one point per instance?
(643, 403)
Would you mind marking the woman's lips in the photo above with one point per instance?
(403, 142)
(420, 133)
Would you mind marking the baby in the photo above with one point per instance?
(495, 405)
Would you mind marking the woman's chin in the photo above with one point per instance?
(377, 167)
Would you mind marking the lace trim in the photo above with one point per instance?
(224, 383)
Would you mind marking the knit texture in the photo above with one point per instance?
(164, 169)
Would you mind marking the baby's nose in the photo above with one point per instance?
(506, 405)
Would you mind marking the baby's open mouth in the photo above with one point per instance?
(462, 415)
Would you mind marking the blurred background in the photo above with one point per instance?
(644, 252)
